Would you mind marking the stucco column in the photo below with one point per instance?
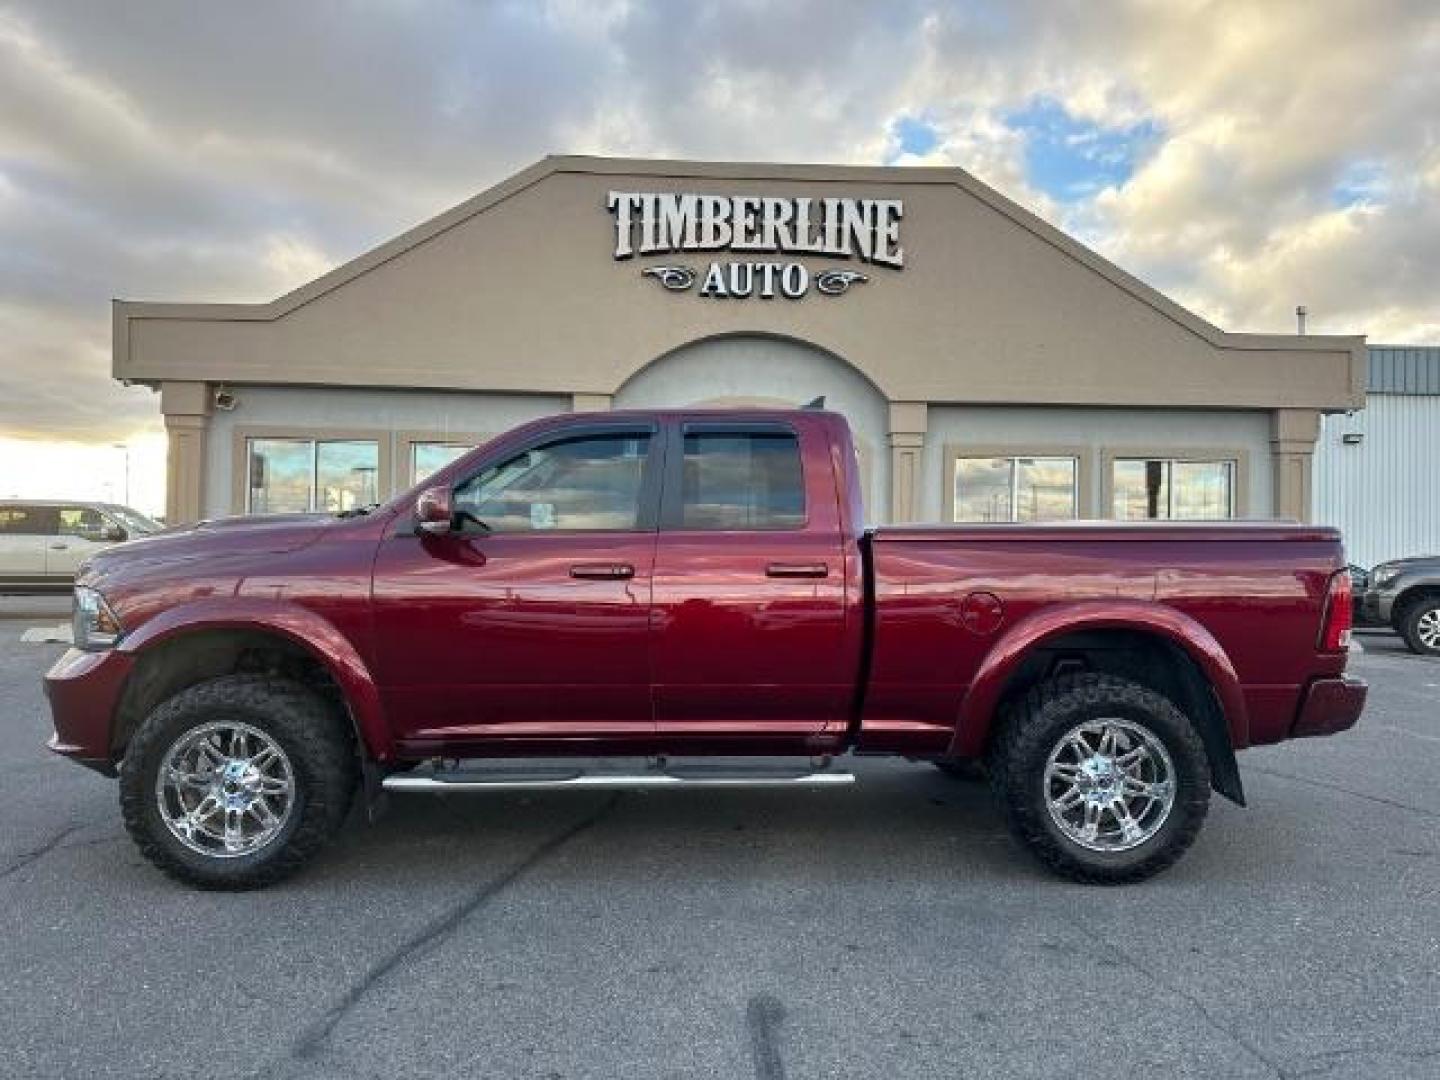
(1293, 434)
(186, 406)
(591, 402)
(909, 420)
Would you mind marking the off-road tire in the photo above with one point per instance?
(313, 735)
(1409, 624)
(1030, 728)
(968, 770)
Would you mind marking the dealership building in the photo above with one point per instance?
(992, 367)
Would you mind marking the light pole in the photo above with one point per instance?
(126, 448)
(367, 475)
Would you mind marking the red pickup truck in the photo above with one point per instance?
(693, 590)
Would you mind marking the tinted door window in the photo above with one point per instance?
(83, 522)
(27, 521)
(742, 481)
(585, 483)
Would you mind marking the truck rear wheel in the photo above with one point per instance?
(1104, 780)
(236, 782)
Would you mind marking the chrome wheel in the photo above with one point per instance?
(1427, 629)
(1109, 784)
(225, 789)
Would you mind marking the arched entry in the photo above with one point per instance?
(770, 372)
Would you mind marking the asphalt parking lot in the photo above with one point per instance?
(891, 929)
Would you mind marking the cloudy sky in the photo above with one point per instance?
(1243, 157)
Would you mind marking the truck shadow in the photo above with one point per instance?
(898, 820)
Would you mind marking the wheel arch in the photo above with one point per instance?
(1416, 592)
(1153, 645)
(195, 642)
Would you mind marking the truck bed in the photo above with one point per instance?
(1149, 531)
(1251, 592)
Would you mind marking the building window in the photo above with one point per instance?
(589, 482)
(300, 475)
(742, 481)
(428, 458)
(1168, 488)
(1016, 488)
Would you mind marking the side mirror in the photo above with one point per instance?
(433, 512)
(114, 534)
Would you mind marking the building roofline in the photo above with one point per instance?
(125, 310)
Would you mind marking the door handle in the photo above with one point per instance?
(603, 571)
(803, 569)
(59, 547)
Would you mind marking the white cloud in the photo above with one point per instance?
(292, 259)
(220, 152)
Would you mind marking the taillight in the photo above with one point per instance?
(1339, 614)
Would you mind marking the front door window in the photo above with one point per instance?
(587, 483)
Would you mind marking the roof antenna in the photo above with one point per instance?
(817, 403)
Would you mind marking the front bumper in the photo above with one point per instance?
(1330, 705)
(84, 689)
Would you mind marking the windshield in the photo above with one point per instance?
(133, 520)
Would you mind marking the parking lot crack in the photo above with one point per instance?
(1330, 1060)
(25, 858)
(313, 1041)
(1420, 810)
(1090, 933)
(52, 843)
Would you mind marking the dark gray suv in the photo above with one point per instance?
(1405, 594)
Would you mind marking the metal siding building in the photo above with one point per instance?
(1383, 490)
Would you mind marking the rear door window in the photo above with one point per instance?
(28, 521)
(741, 480)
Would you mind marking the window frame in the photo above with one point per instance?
(672, 507)
(241, 491)
(1083, 457)
(647, 513)
(1238, 457)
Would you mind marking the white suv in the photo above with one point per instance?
(44, 542)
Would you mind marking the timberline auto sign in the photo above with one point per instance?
(663, 223)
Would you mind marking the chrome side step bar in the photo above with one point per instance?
(462, 780)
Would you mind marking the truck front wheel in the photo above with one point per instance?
(1419, 625)
(1105, 780)
(236, 782)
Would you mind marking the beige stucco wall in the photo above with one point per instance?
(517, 291)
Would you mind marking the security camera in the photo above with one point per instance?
(224, 399)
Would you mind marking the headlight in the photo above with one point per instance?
(1383, 575)
(93, 625)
